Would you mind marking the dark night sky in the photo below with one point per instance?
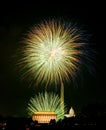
(15, 21)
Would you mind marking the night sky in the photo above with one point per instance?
(15, 20)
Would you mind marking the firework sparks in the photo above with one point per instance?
(52, 53)
(45, 102)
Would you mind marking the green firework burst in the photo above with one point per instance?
(46, 102)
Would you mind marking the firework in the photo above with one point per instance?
(52, 53)
(47, 102)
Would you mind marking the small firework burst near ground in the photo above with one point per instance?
(46, 102)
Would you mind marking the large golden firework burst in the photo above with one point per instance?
(52, 52)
